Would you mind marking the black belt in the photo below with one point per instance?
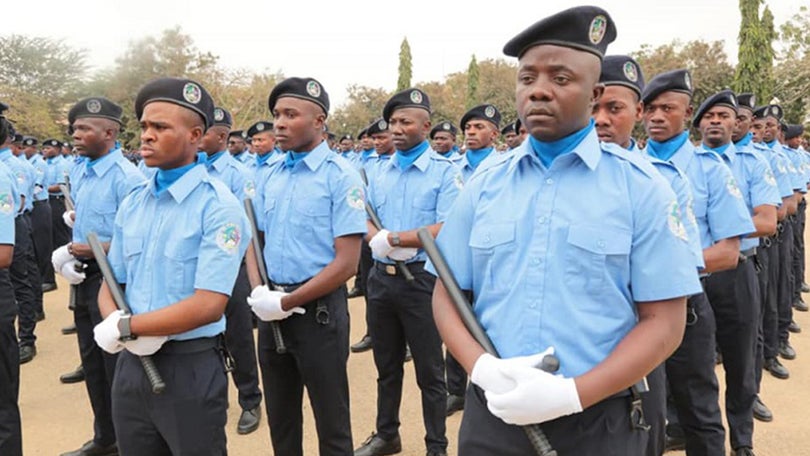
(392, 270)
(746, 254)
(288, 288)
(40, 202)
(59, 197)
(89, 266)
(185, 347)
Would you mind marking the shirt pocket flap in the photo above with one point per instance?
(183, 249)
(492, 235)
(601, 240)
(133, 246)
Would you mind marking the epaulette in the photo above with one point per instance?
(634, 158)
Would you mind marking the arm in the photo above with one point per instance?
(781, 211)
(452, 330)
(764, 221)
(407, 238)
(6, 254)
(80, 250)
(722, 256)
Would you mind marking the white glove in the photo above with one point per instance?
(145, 345)
(68, 271)
(403, 253)
(537, 398)
(379, 244)
(488, 371)
(266, 304)
(107, 335)
(68, 217)
(59, 257)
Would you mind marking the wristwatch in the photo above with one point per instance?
(125, 328)
(395, 241)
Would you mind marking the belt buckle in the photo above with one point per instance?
(390, 269)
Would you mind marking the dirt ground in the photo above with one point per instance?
(57, 417)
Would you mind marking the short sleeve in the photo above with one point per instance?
(728, 215)
(348, 204)
(452, 182)
(454, 240)
(225, 238)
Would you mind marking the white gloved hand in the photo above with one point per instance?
(68, 271)
(107, 335)
(68, 217)
(266, 304)
(145, 345)
(379, 244)
(59, 257)
(488, 372)
(403, 253)
(537, 397)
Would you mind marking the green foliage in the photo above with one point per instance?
(472, 83)
(364, 105)
(792, 71)
(755, 55)
(405, 66)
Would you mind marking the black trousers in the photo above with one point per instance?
(317, 352)
(654, 404)
(61, 234)
(785, 293)
(98, 365)
(25, 280)
(767, 336)
(693, 384)
(363, 271)
(10, 427)
(400, 313)
(603, 429)
(188, 418)
(43, 241)
(240, 343)
(456, 376)
(734, 297)
(798, 249)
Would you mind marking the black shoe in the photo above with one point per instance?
(805, 288)
(27, 353)
(46, 287)
(355, 293)
(786, 351)
(73, 377)
(436, 453)
(69, 330)
(249, 421)
(376, 446)
(743, 451)
(365, 344)
(800, 305)
(794, 327)
(761, 411)
(91, 448)
(776, 368)
(408, 355)
(675, 444)
(40, 316)
(454, 404)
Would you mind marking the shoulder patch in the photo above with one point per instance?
(675, 222)
(228, 237)
(6, 203)
(356, 198)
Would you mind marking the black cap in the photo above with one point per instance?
(671, 81)
(259, 127)
(29, 141)
(793, 131)
(747, 100)
(238, 133)
(378, 126)
(307, 89)
(349, 137)
(408, 98)
(3, 108)
(330, 135)
(774, 111)
(509, 129)
(18, 138)
(444, 126)
(484, 112)
(723, 98)
(222, 117)
(584, 28)
(95, 107)
(52, 143)
(622, 70)
(518, 124)
(180, 91)
(363, 132)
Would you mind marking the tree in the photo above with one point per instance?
(792, 72)
(363, 106)
(405, 66)
(472, 83)
(755, 55)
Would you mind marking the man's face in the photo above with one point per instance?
(346, 145)
(666, 115)
(50, 151)
(745, 119)
(170, 135)
(512, 139)
(298, 124)
(383, 142)
(615, 115)
(717, 124)
(263, 142)
(443, 142)
(236, 145)
(479, 134)
(366, 142)
(794, 143)
(89, 137)
(556, 87)
(30, 151)
(758, 130)
(409, 126)
(213, 140)
(772, 129)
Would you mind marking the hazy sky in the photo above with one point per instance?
(346, 42)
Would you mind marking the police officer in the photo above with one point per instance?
(221, 165)
(98, 191)
(56, 173)
(510, 136)
(238, 148)
(793, 135)
(415, 188)
(262, 142)
(443, 140)
(346, 147)
(41, 219)
(178, 277)
(366, 147)
(311, 206)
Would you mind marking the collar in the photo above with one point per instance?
(727, 151)
(222, 161)
(589, 151)
(316, 156)
(683, 155)
(103, 164)
(183, 187)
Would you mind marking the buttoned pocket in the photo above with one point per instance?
(594, 255)
(181, 265)
(492, 248)
(312, 219)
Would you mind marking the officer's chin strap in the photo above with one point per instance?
(637, 420)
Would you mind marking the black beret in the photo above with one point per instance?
(518, 124)
(408, 98)
(179, 91)
(793, 131)
(18, 138)
(29, 141)
(349, 137)
(774, 111)
(747, 100)
(222, 117)
(238, 133)
(304, 88)
(259, 127)
(378, 126)
(584, 28)
(330, 135)
(484, 112)
(95, 107)
(624, 71)
(52, 143)
(363, 132)
(509, 129)
(783, 125)
(670, 81)
(444, 126)
(723, 98)
(3, 108)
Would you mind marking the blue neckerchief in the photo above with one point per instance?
(665, 150)
(745, 140)
(367, 153)
(164, 178)
(548, 151)
(293, 157)
(405, 158)
(476, 156)
(720, 150)
(50, 160)
(771, 144)
(454, 149)
(262, 159)
(210, 159)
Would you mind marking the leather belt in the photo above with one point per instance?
(185, 347)
(392, 270)
(288, 288)
(746, 254)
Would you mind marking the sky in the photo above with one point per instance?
(357, 42)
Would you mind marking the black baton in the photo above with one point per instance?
(550, 363)
(68, 200)
(158, 386)
(281, 348)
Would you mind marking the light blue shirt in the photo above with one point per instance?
(234, 175)
(147, 171)
(467, 168)
(559, 256)
(777, 162)
(9, 202)
(40, 171)
(23, 178)
(193, 236)
(246, 158)
(57, 171)
(795, 167)
(419, 195)
(98, 192)
(303, 208)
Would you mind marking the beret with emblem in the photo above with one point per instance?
(18, 138)
(443, 126)
(624, 71)
(238, 133)
(584, 28)
(344, 137)
(794, 131)
(509, 129)
(51, 143)
(95, 107)
(484, 112)
(3, 108)
(29, 141)
(222, 117)
(747, 100)
(671, 81)
(774, 111)
(259, 127)
(408, 98)
(363, 132)
(378, 126)
(307, 89)
(179, 91)
(724, 98)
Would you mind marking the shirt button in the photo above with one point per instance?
(601, 244)
(549, 181)
(537, 261)
(542, 219)
(533, 305)
(487, 239)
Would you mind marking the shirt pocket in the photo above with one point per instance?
(181, 266)
(312, 217)
(133, 248)
(425, 208)
(595, 255)
(493, 250)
